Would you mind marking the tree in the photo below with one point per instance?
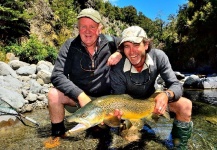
(130, 15)
(110, 12)
(171, 42)
(191, 37)
(13, 21)
(118, 13)
(67, 18)
(65, 12)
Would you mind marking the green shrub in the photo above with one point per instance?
(2, 56)
(32, 51)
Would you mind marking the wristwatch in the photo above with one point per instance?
(170, 98)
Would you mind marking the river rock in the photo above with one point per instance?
(19, 86)
(44, 75)
(16, 64)
(27, 70)
(192, 81)
(208, 83)
(5, 69)
(13, 98)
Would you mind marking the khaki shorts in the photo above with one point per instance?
(72, 109)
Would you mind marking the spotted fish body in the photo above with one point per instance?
(97, 111)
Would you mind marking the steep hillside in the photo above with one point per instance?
(43, 23)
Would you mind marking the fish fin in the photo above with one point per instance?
(156, 117)
(167, 115)
(112, 121)
(76, 129)
(126, 124)
(152, 118)
(133, 133)
(127, 96)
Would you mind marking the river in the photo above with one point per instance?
(204, 116)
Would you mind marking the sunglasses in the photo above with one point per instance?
(90, 68)
(145, 81)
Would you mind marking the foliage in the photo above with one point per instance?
(32, 51)
(197, 34)
(130, 15)
(2, 56)
(66, 14)
(110, 13)
(13, 23)
(189, 39)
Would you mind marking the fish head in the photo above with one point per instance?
(87, 116)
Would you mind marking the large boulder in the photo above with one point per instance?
(208, 83)
(5, 70)
(27, 70)
(192, 82)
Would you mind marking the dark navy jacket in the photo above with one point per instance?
(70, 74)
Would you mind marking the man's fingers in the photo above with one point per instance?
(117, 113)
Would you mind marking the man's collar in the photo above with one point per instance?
(127, 65)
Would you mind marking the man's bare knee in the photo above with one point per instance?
(53, 94)
(182, 108)
(187, 107)
(57, 97)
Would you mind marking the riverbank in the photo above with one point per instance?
(25, 87)
(22, 137)
(25, 138)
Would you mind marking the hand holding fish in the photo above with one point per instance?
(117, 114)
(83, 99)
(161, 101)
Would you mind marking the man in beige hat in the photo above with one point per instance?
(81, 70)
(136, 73)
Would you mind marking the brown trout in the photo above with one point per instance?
(99, 110)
